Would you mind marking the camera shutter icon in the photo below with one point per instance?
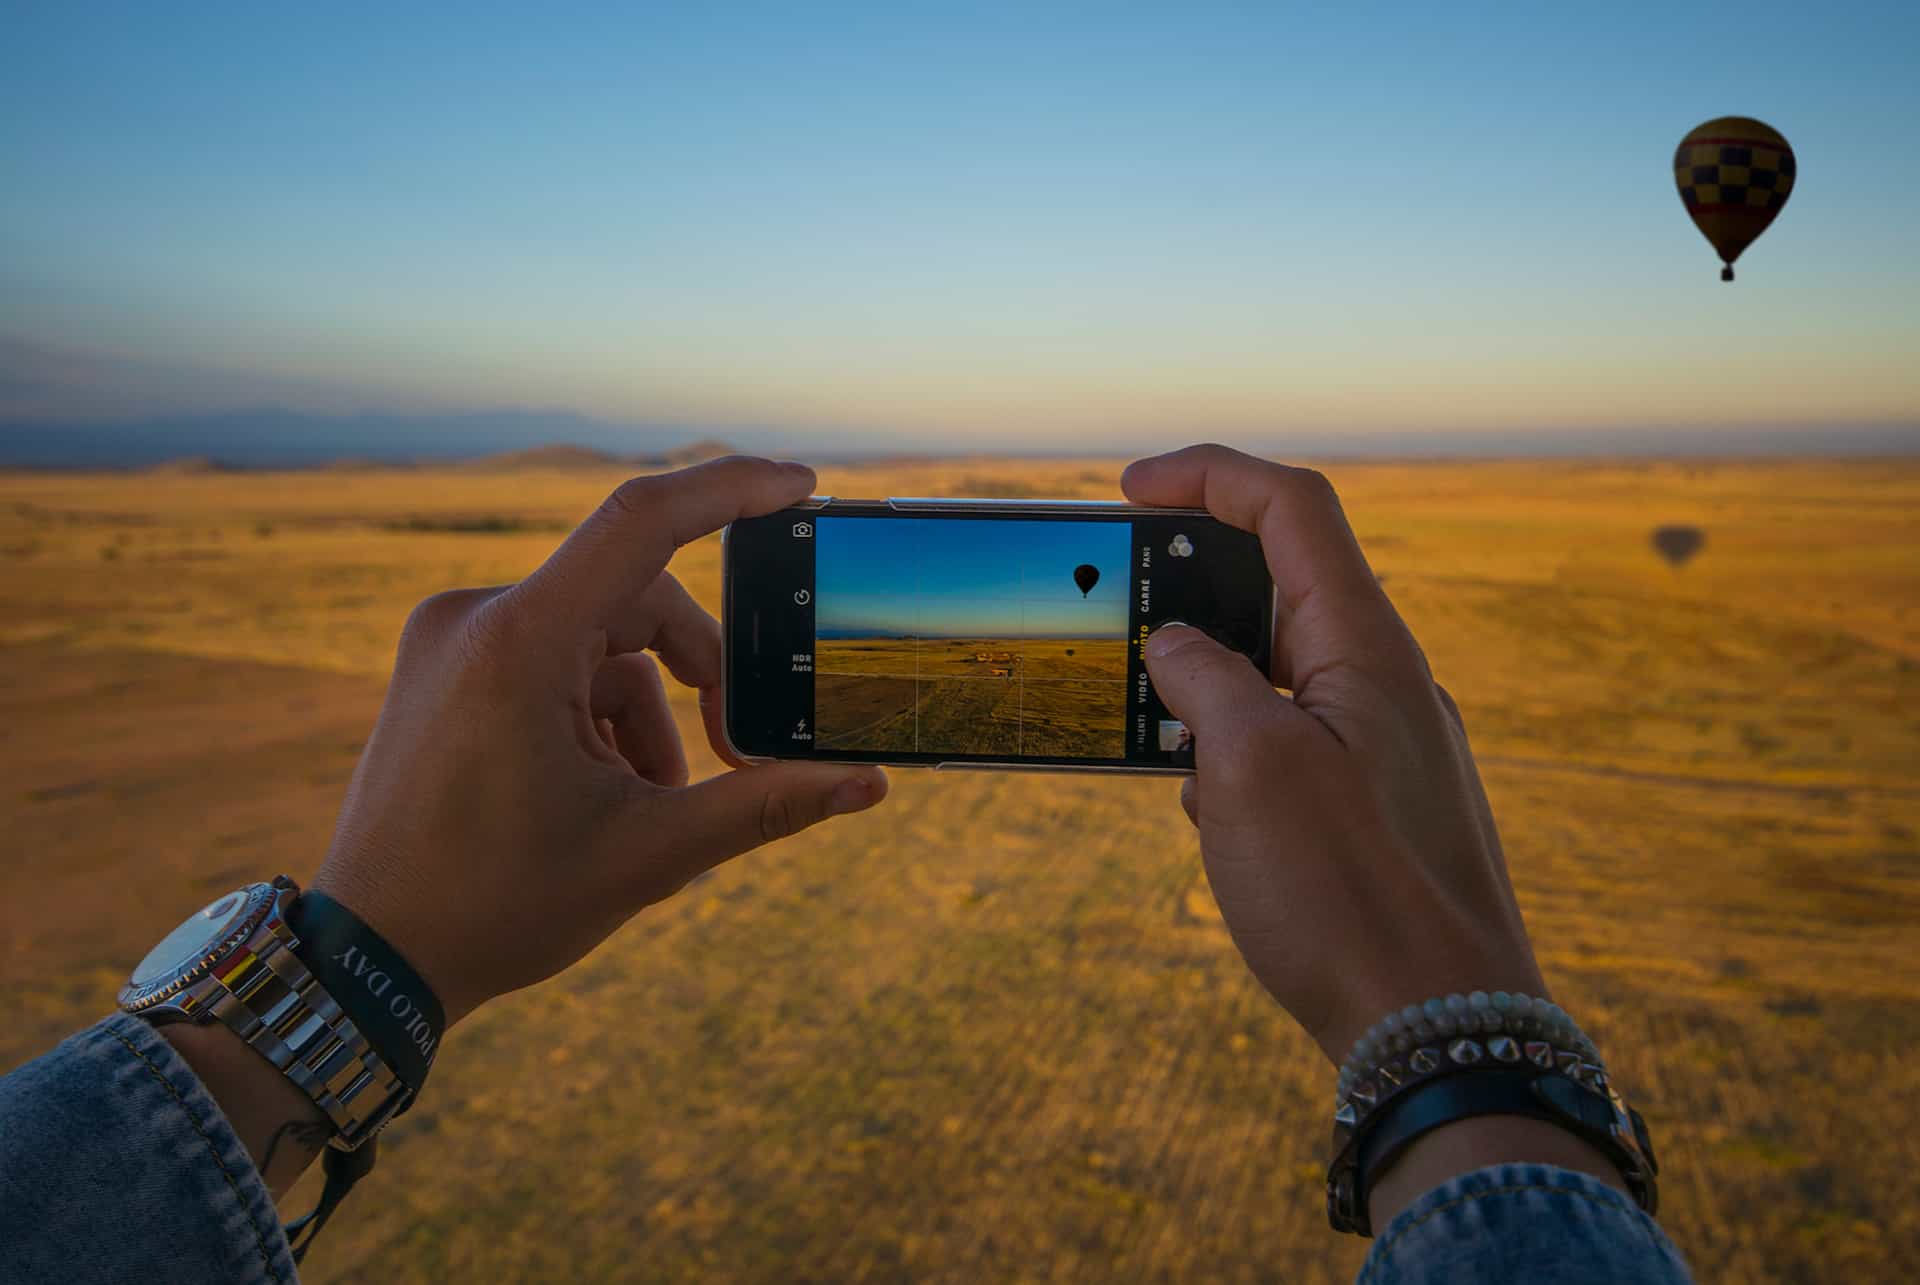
(803, 530)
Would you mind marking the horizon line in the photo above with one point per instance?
(222, 443)
(835, 635)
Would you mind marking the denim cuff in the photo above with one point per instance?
(1523, 1222)
(118, 1163)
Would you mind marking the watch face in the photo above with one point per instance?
(186, 945)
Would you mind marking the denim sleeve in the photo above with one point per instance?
(1522, 1223)
(115, 1164)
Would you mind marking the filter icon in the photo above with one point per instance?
(1181, 547)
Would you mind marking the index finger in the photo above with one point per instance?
(609, 562)
(1303, 530)
(1335, 608)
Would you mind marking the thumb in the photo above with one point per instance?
(1215, 691)
(735, 812)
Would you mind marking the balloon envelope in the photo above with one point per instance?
(1734, 175)
(1086, 577)
(1678, 543)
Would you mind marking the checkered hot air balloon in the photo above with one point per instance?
(1734, 174)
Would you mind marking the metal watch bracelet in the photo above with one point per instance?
(257, 987)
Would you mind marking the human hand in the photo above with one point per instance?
(525, 791)
(1345, 832)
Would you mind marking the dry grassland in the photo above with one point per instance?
(994, 1029)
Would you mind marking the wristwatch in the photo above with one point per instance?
(234, 961)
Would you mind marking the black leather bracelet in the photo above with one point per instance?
(1613, 1128)
(391, 1003)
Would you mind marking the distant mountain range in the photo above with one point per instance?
(567, 455)
(277, 438)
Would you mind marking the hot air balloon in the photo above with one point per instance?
(1734, 175)
(1086, 576)
(1678, 543)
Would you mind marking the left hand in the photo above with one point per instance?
(525, 791)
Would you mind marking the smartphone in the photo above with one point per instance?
(975, 633)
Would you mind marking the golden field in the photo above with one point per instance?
(994, 1030)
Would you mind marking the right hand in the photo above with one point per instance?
(1345, 832)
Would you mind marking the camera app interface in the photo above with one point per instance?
(1005, 639)
(979, 637)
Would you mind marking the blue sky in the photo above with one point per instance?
(951, 578)
(1071, 226)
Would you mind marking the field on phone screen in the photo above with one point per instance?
(1006, 696)
(1003, 639)
(994, 1029)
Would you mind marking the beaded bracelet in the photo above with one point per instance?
(1444, 1017)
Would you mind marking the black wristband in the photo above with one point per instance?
(1521, 1091)
(391, 1004)
(1442, 1101)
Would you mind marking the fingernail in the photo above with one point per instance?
(851, 795)
(796, 467)
(1167, 636)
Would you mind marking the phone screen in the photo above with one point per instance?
(859, 632)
